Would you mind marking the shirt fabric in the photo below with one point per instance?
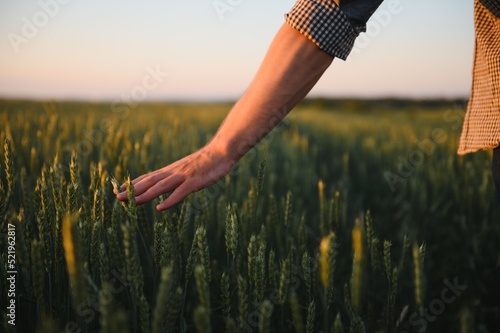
(333, 28)
(481, 127)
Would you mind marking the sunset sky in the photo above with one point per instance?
(107, 50)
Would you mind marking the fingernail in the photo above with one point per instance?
(159, 208)
(121, 196)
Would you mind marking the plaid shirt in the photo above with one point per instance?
(481, 127)
(334, 29)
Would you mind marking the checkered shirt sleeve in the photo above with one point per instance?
(481, 126)
(325, 24)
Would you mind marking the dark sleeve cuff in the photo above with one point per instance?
(493, 6)
(324, 24)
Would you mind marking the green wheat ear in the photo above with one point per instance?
(357, 267)
(288, 208)
(115, 183)
(466, 321)
(266, 310)
(418, 260)
(322, 206)
(112, 319)
(191, 260)
(204, 255)
(226, 296)
(242, 302)
(38, 272)
(231, 234)
(202, 286)
(9, 166)
(260, 272)
(296, 312)
(306, 269)
(230, 325)
(284, 280)
(202, 319)
(387, 260)
(162, 299)
(272, 270)
(252, 259)
(337, 326)
(260, 178)
(174, 310)
(311, 317)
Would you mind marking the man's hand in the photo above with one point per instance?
(189, 174)
(290, 69)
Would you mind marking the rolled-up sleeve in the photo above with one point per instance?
(326, 25)
(493, 6)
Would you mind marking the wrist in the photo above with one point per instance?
(223, 149)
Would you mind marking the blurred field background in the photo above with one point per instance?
(377, 183)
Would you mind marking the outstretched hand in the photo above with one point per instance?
(292, 66)
(189, 174)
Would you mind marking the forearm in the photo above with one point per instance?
(290, 69)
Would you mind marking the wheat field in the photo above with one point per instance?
(351, 216)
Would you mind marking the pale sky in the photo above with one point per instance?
(107, 50)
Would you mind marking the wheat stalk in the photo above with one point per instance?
(225, 295)
(387, 260)
(161, 308)
(418, 265)
(337, 325)
(311, 317)
(296, 315)
(242, 302)
(284, 280)
(252, 260)
(272, 270)
(9, 168)
(266, 310)
(204, 256)
(326, 258)
(260, 272)
(231, 234)
(202, 319)
(74, 258)
(322, 208)
(174, 309)
(357, 267)
(288, 209)
(38, 273)
(306, 269)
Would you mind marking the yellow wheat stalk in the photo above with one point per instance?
(68, 244)
(357, 269)
(325, 258)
